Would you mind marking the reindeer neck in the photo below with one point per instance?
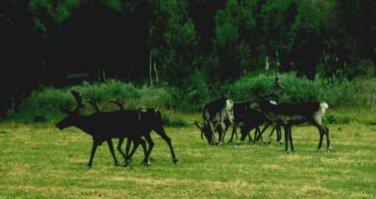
(86, 124)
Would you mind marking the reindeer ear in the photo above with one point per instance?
(64, 110)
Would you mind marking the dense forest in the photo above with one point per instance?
(174, 42)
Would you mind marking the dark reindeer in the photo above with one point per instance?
(288, 114)
(145, 113)
(215, 116)
(103, 126)
(93, 103)
(245, 113)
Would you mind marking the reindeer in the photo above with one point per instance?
(288, 114)
(145, 113)
(214, 115)
(93, 103)
(245, 113)
(249, 117)
(103, 126)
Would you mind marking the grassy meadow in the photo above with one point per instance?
(40, 161)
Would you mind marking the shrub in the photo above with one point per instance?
(44, 102)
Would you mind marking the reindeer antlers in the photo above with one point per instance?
(78, 99)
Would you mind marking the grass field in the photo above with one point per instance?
(39, 161)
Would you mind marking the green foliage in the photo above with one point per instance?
(174, 122)
(232, 51)
(341, 93)
(330, 119)
(45, 101)
(329, 42)
(328, 38)
(173, 40)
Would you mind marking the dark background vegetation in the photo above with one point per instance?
(200, 48)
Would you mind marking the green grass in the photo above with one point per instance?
(39, 161)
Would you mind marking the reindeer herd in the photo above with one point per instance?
(218, 116)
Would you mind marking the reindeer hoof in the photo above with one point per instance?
(286, 151)
(126, 162)
(146, 163)
(88, 166)
(175, 161)
(318, 150)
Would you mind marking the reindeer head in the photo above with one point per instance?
(72, 115)
(205, 131)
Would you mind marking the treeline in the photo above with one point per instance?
(187, 42)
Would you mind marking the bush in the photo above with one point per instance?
(359, 92)
(43, 104)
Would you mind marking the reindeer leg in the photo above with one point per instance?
(258, 134)
(127, 148)
(236, 134)
(164, 136)
(286, 138)
(279, 135)
(248, 130)
(111, 147)
(119, 148)
(93, 149)
(270, 135)
(145, 162)
(212, 133)
(262, 131)
(222, 133)
(290, 137)
(151, 145)
(327, 139)
(136, 143)
(233, 133)
(320, 141)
